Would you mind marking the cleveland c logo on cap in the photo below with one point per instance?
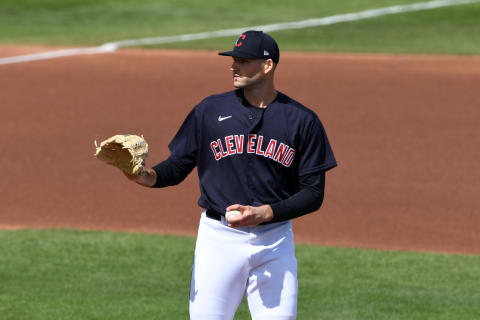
(239, 43)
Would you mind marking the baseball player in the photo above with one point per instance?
(261, 158)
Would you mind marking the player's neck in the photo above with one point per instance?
(260, 96)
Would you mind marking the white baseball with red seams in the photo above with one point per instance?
(232, 213)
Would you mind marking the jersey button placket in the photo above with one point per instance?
(251, 187)
(249, 179)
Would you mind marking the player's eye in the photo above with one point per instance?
(241, 60)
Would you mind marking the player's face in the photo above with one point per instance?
(247, 72)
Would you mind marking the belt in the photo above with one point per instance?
(212, 214)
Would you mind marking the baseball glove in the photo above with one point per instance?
(124, 151)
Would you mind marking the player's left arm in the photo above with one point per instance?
(308, 199)
(316, 157)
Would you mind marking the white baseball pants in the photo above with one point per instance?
(258, 262)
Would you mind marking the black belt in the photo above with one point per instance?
(212, 214)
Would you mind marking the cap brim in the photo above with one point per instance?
(238, 54)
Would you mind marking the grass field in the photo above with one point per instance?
(92, 22)
(62, 274)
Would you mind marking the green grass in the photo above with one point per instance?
(59, 274)
(93, 22)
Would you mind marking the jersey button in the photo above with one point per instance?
(250, 116)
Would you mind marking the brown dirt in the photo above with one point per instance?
(404, 130)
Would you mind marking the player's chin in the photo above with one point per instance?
(238, 84)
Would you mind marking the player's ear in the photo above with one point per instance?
(268, 66)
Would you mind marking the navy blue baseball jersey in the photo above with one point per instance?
(247, 155)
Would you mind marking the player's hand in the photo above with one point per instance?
(251, 216)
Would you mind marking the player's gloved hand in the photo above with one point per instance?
(251, 216)
(124, 151)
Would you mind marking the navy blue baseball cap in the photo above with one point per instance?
(254, 44)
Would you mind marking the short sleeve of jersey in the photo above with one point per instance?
(184, 146)
(315, 153)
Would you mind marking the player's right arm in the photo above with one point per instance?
(167, 173)
(182, 160)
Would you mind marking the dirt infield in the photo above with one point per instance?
(404, 130)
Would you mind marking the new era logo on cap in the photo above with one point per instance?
(254, 44)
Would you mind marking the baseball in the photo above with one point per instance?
(233, 213)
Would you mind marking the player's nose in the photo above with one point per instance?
(234, 66)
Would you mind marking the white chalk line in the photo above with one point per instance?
(113, 46)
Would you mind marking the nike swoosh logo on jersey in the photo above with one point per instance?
(220, 118)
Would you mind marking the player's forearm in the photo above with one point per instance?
(308, 199)
(303, 202)
(170, 173)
